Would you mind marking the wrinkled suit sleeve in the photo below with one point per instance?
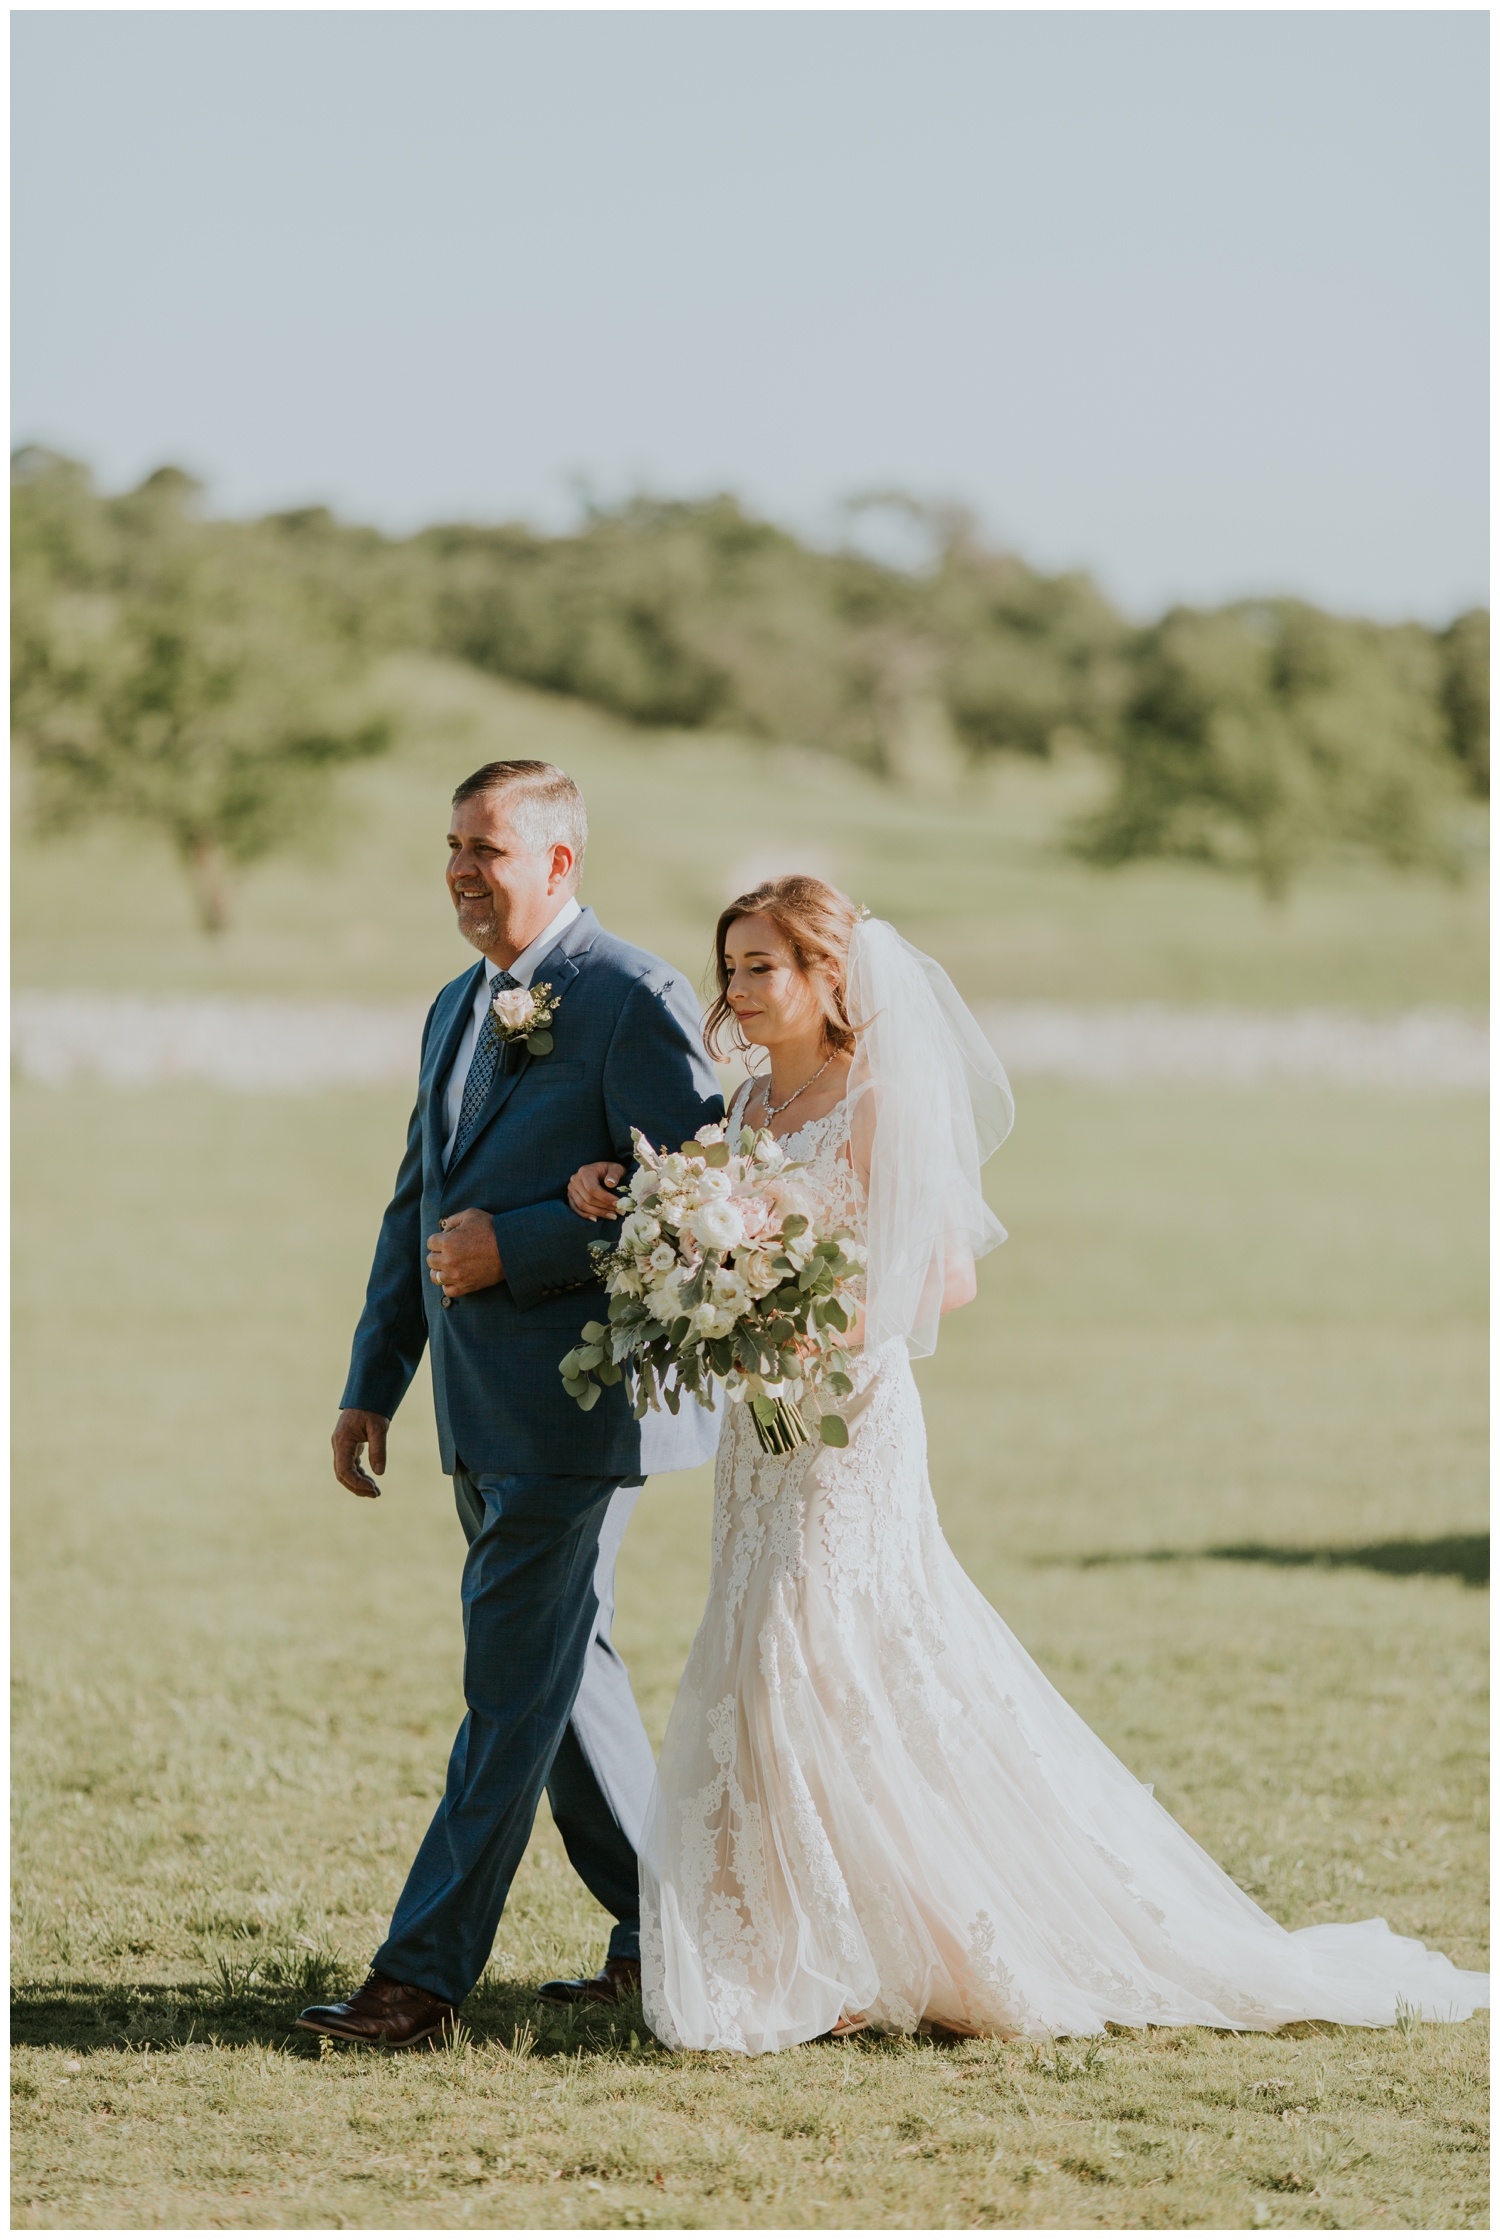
(656, 1078)
(392, 1331)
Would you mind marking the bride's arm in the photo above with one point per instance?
(960, 1284)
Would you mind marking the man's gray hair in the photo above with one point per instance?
(542, 802)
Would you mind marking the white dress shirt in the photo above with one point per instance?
(521, 972)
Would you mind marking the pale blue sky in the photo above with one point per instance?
(1194, 300)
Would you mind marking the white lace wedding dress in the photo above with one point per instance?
(871, 1802)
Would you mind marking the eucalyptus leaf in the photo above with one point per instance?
(764, 1408)
(608, 1372)
(539, 1043)
(834, 1432)
(595, 1333)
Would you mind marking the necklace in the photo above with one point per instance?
(773, 1109)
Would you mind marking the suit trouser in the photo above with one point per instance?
(549, 1704)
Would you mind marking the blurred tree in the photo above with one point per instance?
(698, 614)
(197, 674)
(1466, 695)
(1267, 733)
(162, 672)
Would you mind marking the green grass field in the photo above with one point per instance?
(1221, 1321)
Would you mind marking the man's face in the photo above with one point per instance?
(502, 893)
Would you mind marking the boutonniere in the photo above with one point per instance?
(524, 1015)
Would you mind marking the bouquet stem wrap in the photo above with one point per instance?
(783, 1430)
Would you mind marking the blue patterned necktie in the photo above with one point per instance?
(481, 1073)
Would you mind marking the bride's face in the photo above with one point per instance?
(772, 999)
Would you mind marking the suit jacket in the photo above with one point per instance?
(627, 1051)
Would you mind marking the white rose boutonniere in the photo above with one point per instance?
(525, 1015)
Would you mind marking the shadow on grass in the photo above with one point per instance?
(95, 2017)
(503, 2020)
(1457, 1555)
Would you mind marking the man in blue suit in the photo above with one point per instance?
(481, 1258)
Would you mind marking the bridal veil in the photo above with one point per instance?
(929, 1102)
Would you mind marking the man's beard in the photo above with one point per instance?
(476, 922)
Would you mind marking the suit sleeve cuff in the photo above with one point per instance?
(545, 1249)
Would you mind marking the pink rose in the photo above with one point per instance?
(513, 1007)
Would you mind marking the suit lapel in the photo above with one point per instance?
(442, 1049)
(560, 968)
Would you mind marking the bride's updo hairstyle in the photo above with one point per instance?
(815, 921)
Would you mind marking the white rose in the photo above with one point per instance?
(662, 1258)
(712, 1132)
(638, 1232)
(513, 1007)
(718, 1227)
(731, 1290)
(756, 1270)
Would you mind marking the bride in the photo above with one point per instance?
(873, 1810)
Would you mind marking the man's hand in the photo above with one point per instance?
(464, 1256)
(355, 1430)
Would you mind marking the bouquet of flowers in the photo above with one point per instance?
(722, 1271)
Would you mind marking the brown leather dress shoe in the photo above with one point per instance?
(382, 2013)
(616, 1980)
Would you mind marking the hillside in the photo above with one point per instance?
(682, 820)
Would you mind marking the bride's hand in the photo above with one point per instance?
(591, 1190)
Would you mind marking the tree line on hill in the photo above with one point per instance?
(209, 677)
